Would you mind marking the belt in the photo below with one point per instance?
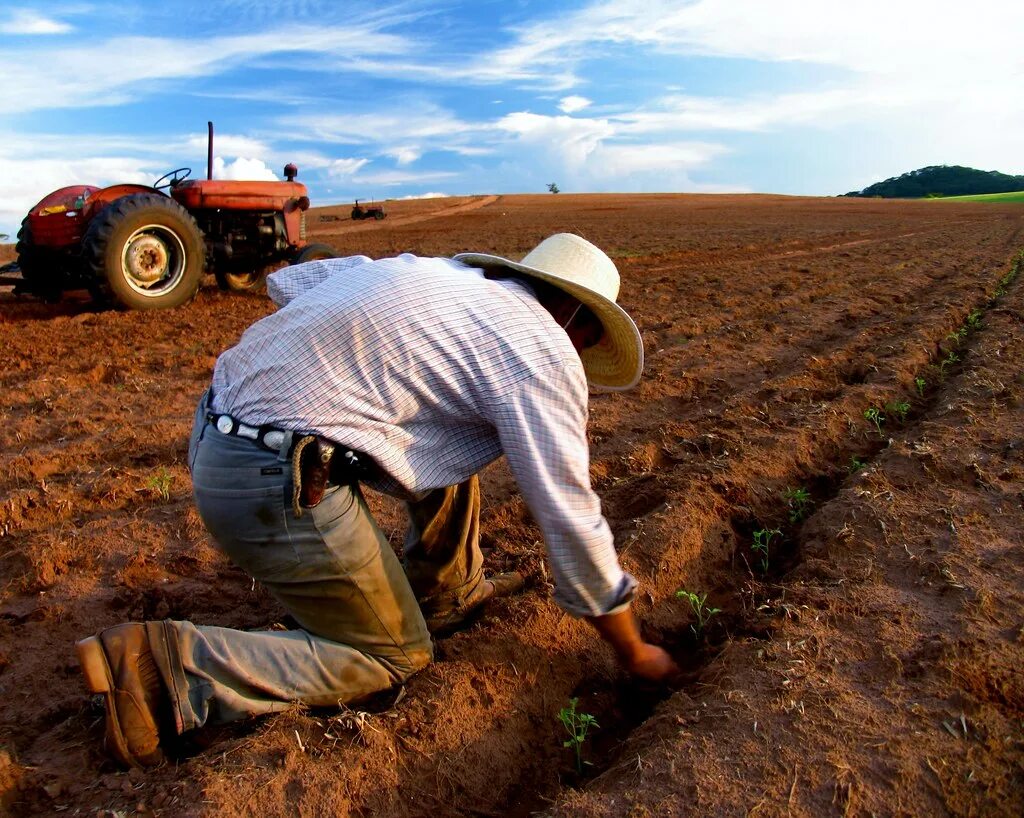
(267, 437)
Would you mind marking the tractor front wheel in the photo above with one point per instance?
(241, 282)
(314, 252)
(145, 252)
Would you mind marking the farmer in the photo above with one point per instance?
(410, 375)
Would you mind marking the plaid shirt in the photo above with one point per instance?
(434, 371)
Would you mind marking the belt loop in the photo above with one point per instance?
(286, 445)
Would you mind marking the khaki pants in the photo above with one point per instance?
(332, 569)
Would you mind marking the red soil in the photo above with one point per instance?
(873, 668)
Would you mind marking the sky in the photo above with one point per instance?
(381, 100)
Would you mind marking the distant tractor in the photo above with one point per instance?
(139, 247)
(372, 211)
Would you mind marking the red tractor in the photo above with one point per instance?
(139, 247)
(372, 211)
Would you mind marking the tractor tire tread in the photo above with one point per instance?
(101, 231)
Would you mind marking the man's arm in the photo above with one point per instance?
(542, 426)
(292, 281)
(640, 658)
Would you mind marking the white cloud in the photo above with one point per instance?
(226, 144)
(401, 126)
(573, 139)
(572, 104)
(243, 169)
(392, 178)
(23, 21)
(424, 196)
(619, 161)
(345, 168)
(404, 155)
(123, 68)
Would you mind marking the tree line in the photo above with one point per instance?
(942, 180)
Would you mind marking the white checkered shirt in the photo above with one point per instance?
(434, 370)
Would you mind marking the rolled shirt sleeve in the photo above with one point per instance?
(292, 281)
(542, 425)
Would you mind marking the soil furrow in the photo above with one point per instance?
(760, 370)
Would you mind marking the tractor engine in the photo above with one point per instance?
(243, 240)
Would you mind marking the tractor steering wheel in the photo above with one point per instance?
(172, 178)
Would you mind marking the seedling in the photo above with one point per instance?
(875, 415)
(974, 319)
(949, 360)
(900, 408)
(762, 540)
(920, 383)
(856, 464)
(161, 483)
(958, 336)
(700, 610)
(799, 501)
(577, 725)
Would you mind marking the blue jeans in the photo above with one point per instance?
(331, 568)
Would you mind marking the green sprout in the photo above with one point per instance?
(161, 483)
(576, 725)
(856, 464)
(920, 383)
(700, 610)
(875, 415)
(900, 408)
(798, 501)
(958, 336)
(762, 540)
(949, 360)
(974, 319)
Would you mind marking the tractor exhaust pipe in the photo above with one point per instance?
(209, 150)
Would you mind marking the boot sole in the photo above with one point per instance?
(99, 679)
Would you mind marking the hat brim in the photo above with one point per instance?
(615, 363)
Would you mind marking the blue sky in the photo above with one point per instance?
(389, 100)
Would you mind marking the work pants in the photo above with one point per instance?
(332, 569)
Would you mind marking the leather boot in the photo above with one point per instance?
(118, 662)
(442, 620)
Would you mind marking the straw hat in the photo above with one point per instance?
(577, 267)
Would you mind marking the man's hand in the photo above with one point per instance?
(640, 658)
(653, 664)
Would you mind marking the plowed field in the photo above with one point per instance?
(842, 380)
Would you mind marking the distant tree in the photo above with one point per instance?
(942, 180)
(553, 188)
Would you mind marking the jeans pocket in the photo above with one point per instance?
(199, 425)
(250, 525)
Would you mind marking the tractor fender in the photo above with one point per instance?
(101, 197)
(65, 197)
(58, 220)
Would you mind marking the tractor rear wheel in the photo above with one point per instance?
(145, 252)
(378, 215)
(314, 252)
(33, 262)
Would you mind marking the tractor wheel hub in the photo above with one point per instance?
(146, 259)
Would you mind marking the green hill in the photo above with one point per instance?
(942, 180)
(1016, 196)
